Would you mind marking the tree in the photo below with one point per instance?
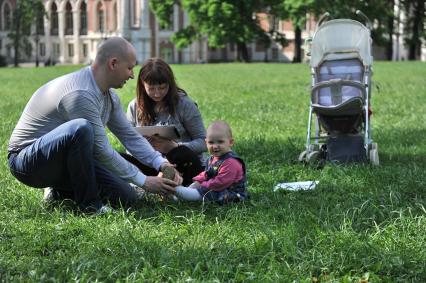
(414, 26)
(221, 21)
(390, 28)
(297, 11)
(380, 12)
(26, 13)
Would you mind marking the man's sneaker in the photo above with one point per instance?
(104, 209)
(140, 193)
(92, 210)
(50, 197)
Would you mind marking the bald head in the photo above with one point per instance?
(221, 127)
(114, 63)
(114, 47)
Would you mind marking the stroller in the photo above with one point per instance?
(340, 60)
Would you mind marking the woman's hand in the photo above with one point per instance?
(161, 144)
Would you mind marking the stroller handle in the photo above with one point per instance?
(367, 20)
(322, 19)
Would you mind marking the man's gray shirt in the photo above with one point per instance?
(77, 95)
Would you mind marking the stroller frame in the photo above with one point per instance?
(315, 151)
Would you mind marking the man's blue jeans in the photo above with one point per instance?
(63, 159)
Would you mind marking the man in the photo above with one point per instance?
(60, 140)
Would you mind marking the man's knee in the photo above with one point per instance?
(83, 129)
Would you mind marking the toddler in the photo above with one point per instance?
(224, 178)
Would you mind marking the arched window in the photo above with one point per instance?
(101, 17)
(40, 24)
(68, 19)
(54, 24)
(166, 51)
(83, 18)
(7, 16)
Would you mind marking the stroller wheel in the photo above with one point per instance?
(302, 156)
(312, 156)
(374, 157)
(313, 147)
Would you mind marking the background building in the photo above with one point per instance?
(73, 29)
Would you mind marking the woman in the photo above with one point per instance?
(159, 101)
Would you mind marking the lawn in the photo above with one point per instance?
(360, 223)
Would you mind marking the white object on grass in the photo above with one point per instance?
(297, 186)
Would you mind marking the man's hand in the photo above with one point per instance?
(166, 168)
(158, 185)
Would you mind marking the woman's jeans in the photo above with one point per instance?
(63, 159)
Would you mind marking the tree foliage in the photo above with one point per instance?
(378, 11)
(234, 21)
(297, 11)
(220, 21)
(382, 15)
(25, 14)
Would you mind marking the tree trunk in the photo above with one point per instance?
(17, 37)
(415, 42)
(265, 59)
(390, 23)
(297, 45)
(243, 52)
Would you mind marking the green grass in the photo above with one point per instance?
(360, 222)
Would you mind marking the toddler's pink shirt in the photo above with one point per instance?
(231, 171)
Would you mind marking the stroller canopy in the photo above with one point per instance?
(341, 39)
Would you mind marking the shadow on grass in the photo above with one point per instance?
(267, 152)
(395, 146)
(361, 194)
(403, 146)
